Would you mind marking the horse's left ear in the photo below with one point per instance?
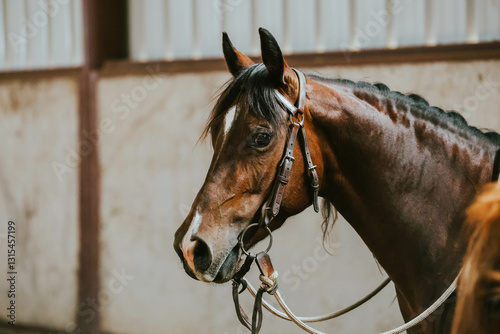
(272, 56)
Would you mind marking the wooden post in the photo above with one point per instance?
(105, 37)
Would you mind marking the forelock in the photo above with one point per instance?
(253, 91)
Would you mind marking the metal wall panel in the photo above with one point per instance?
(237, 22)
(16, 35)
(192, 28)
(334, 24)
(208, 29)
(37, 34)
(300, 23)
(370, 25)
(409, 23)
(270, 16)
(152, 28)
(48, 33)
(489, 25)
(3, 36)
(450, 21)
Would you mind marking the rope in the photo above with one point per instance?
(427, 312)
(300, 321)
(292, 316)
(324, 317)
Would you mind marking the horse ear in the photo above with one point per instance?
(235, 60)
(272, 56)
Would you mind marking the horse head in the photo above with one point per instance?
(248, 128)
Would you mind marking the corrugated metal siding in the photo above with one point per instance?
(176, 29)
(37, 34)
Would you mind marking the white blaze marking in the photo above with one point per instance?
(228, 121)
(186, 241)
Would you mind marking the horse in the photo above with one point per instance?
(478, 301)
(400, 171)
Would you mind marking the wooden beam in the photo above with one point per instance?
(40, 74)
(418, 54)
(105, 27)
(89, 208)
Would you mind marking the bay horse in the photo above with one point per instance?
(478, 301)
(400, 171)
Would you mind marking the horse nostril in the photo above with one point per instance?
(202, 257)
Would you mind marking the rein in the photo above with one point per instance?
(270, 209)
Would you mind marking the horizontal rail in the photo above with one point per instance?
(456, 52)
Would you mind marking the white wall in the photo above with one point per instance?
(38, 123)
(152, 168)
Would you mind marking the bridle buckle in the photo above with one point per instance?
(286, 157)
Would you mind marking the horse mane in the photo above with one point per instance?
(253, 88)
(411, 100)
(419, 103)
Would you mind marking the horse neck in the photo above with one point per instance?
(402, 182)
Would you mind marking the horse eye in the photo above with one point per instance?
(261, 139)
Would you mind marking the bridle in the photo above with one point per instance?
(296, 122)
(272, 205)
(270, 210)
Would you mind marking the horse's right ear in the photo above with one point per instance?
(235, 60)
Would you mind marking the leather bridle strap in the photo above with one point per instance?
(273, 204)
(313, 174)
(242, 317)
(301, 102)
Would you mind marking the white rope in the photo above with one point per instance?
(292, 316)
(300, 321)
(320, 318)
(427, 312)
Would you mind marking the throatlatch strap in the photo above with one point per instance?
(313, 174)
(272, 206)
(285, 167)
